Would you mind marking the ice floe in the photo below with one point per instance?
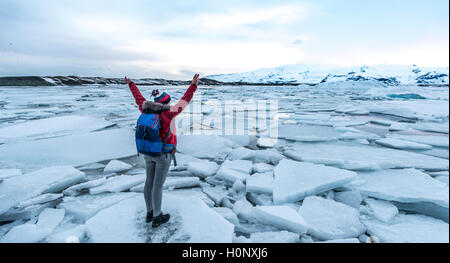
(202, 168)
(260, 183)
(116, 166)
(296, 180)
(328, 220)
(384, 211)
(282, 217)
(401, 144)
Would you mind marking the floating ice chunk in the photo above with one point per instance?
(382, 210)
(399, 126)
(244, 210)
(283, 217)
(228, 214)
(343, 241)
(295, 180)
(116, 166)
(181, 182)
(238, 186)
(328, 219)
(193, 192)
(118, 184)
(406, 186)
(8, 173)
(40, 199)
(266, 142)
(275, 237)
(262, 167)
(433, 140)
(84, 148)
(270, 156)
(401, 144)
(212, 146)
(352, 110)
(47, 180)
(346, 155)
(433, 127)
(413, 109)
(182, 161)
(350, 198)
(216, 193)
(409, 229)
(53, 126)
(202, 168)
(230, 175)
(308, 133)
(241, 153)
(84, 187)
(91, 166)
(84, 207)
(243, 166)
(260, 183)
(191, 219)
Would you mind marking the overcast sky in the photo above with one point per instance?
(174, 39)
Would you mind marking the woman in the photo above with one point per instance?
(157, 167)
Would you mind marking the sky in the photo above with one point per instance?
(175, 39)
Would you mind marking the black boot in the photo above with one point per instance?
(161, 219)
(149, 217)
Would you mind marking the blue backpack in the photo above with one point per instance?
(148, 141)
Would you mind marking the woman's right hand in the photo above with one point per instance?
(127, 80)
(195, 79)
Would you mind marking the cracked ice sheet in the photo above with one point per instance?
(53, 126)
(406, 186)
(191, 221)
(208, 147)
(74, 150)
(363, 157)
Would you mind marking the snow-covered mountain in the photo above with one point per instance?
(314, 74)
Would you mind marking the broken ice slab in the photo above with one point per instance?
(54, 126)
(47, 180)
(433, 140)
(116, 166)
(270, 156)
(382, 210)
(39, 200)
(191, 221)
(296, 180)
(84, 207)
(363, 157)
(262, 167)
(328, 219)
(282, 217)
(409, 229)
(173, 182)
(84, 148)
(413, 109)
(243, 166)
(202, 168)
(118, 184)
(230, 175)
(408, 186)
(401, 144)
(260, 183)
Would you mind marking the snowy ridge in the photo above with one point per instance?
(315, 74)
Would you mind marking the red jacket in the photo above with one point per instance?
(168, 115)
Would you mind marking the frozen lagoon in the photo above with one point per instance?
(332, 129)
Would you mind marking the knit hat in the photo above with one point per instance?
(163, 97)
